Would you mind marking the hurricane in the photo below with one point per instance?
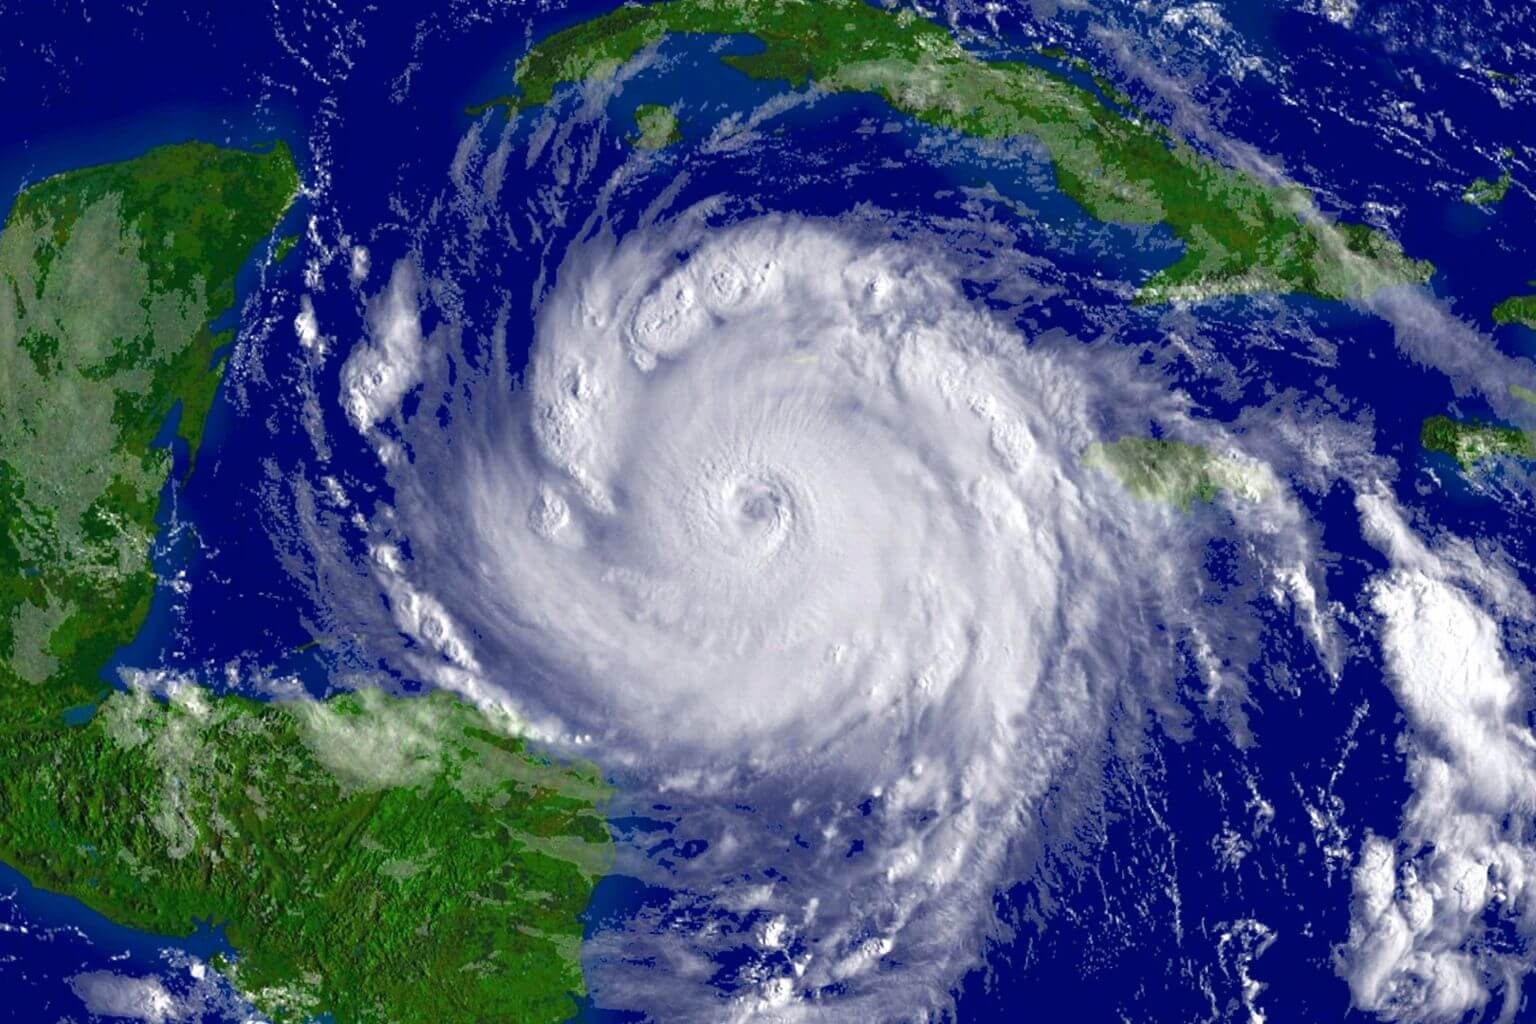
(746, 512)
(803, 544)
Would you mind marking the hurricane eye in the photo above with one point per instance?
(760, 503)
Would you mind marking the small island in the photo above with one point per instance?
(1176, 473)
(284, 246)
(1517, 309)
(657, 126)
(1469, 442)
(1487, 191)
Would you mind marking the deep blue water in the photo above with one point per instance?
(1152, 899)
(45, 939)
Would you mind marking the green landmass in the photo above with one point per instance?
(109, 278)
(1524, 394)
(1240, 235)
(1517, 309)
(1487, 192)
(1176, 473)
(368, 857)
(1471, 441)
(656, 125)
(1483, 192)
(285, 245)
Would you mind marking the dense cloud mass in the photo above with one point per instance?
(800, 543)
(1427, 906)
(987, 544)
(778, 518)
(782, 502)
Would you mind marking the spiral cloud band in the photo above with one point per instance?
(787, 491)
(778, 510)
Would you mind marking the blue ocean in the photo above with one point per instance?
(1219, 853)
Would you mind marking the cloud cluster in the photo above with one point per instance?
(106, 994)
(378, 374)
(1428, 905)
(186, 990)
(779, 519)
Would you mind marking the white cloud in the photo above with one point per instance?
(361, 263)
(116, 995)
(307, 327)
(1423, 902)
(381, 370)
(797, 515)
(420, 616)
(185, 989)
